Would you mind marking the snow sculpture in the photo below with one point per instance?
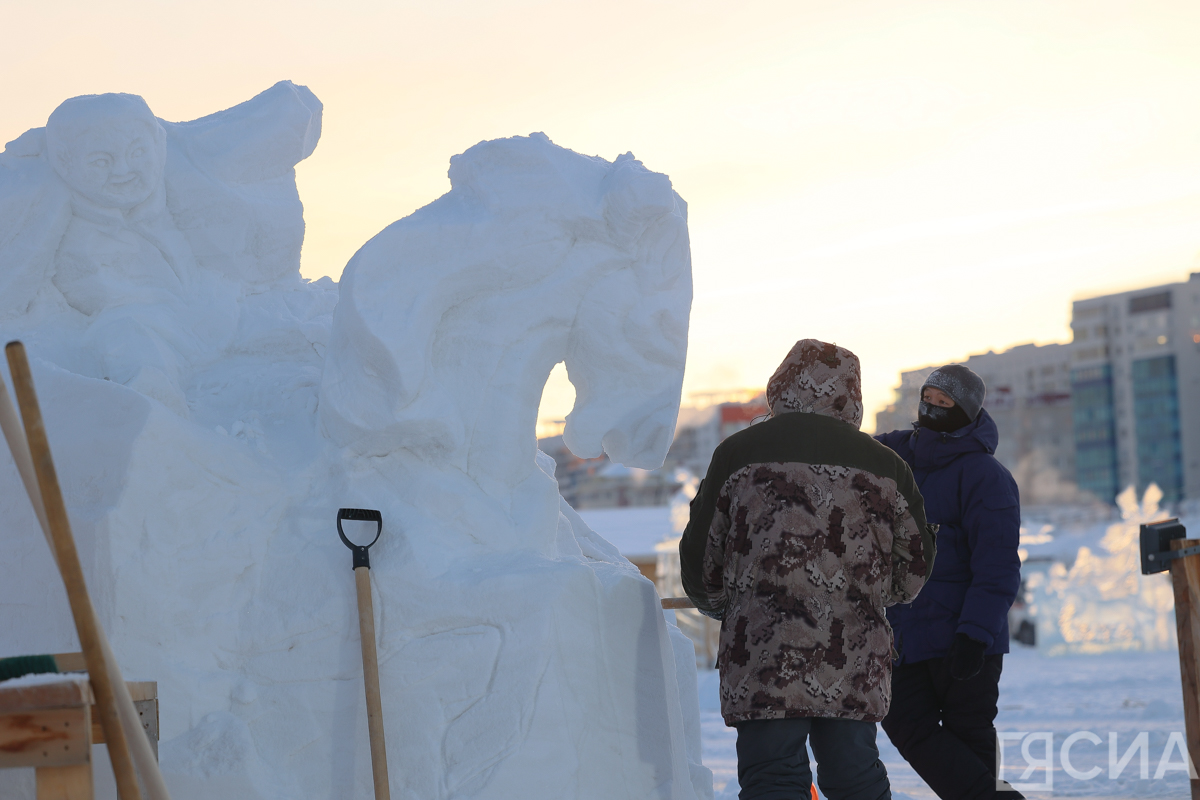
(115, 222)
(1103, 603)
(446, 329)
(450, 320)
(520, 654)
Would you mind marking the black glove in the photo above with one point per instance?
(966, 657)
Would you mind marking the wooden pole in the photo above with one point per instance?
(72, 573)
(370, 659)
(1185, 580)
(143, 751)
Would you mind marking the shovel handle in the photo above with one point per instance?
(366, 628)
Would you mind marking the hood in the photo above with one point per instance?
(932, 449)
(818, 378)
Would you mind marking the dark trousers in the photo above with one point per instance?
(945, 728)
(773, 762)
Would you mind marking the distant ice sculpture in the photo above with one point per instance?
(1103, 603)
(210, 411)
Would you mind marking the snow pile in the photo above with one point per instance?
(210, 411)
(1103, 603)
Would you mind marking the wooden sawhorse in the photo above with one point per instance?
(47, 723)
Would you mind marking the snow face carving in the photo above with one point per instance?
(108, 148)
(137, 237)
(122, 261)
(450, 320)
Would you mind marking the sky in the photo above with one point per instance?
(916, 181)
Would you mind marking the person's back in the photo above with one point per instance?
(803, 530)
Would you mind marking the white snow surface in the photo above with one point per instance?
(40, 679)
(1125, 694)
(210, 411)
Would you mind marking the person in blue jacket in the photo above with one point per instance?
(950, 641)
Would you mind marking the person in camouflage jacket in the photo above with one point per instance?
(803, 530)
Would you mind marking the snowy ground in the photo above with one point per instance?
(1126, 694)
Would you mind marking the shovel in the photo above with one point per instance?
(366, 627)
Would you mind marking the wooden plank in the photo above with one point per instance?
(52, 737)
(138, 690)
(70, 662)
(75, 691)
(1185, 580)
(147, 714)
(65, 783)
(70, 691)
(142, 690)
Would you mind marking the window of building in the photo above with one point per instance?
(1149, 302)
(1156, 419)
(1095, 431)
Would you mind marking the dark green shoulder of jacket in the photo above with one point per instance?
(788, 438)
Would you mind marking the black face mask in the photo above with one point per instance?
(942, 420)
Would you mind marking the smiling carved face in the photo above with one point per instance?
(117, 166)
(108, 148)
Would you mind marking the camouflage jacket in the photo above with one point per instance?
(802, 531)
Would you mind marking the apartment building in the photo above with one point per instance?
(1135, 381)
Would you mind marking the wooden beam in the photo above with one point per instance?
(71, 690)
(65, 783)
(1185, 580)
(147, 712)
(49, 737)
(70, 662)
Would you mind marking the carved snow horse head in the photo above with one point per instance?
(450, 320)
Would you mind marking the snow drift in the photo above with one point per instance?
(210, 411)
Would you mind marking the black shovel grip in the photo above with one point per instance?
(361, 559)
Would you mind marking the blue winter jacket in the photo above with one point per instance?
(977, 572)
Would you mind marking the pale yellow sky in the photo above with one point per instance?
(913, 180)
